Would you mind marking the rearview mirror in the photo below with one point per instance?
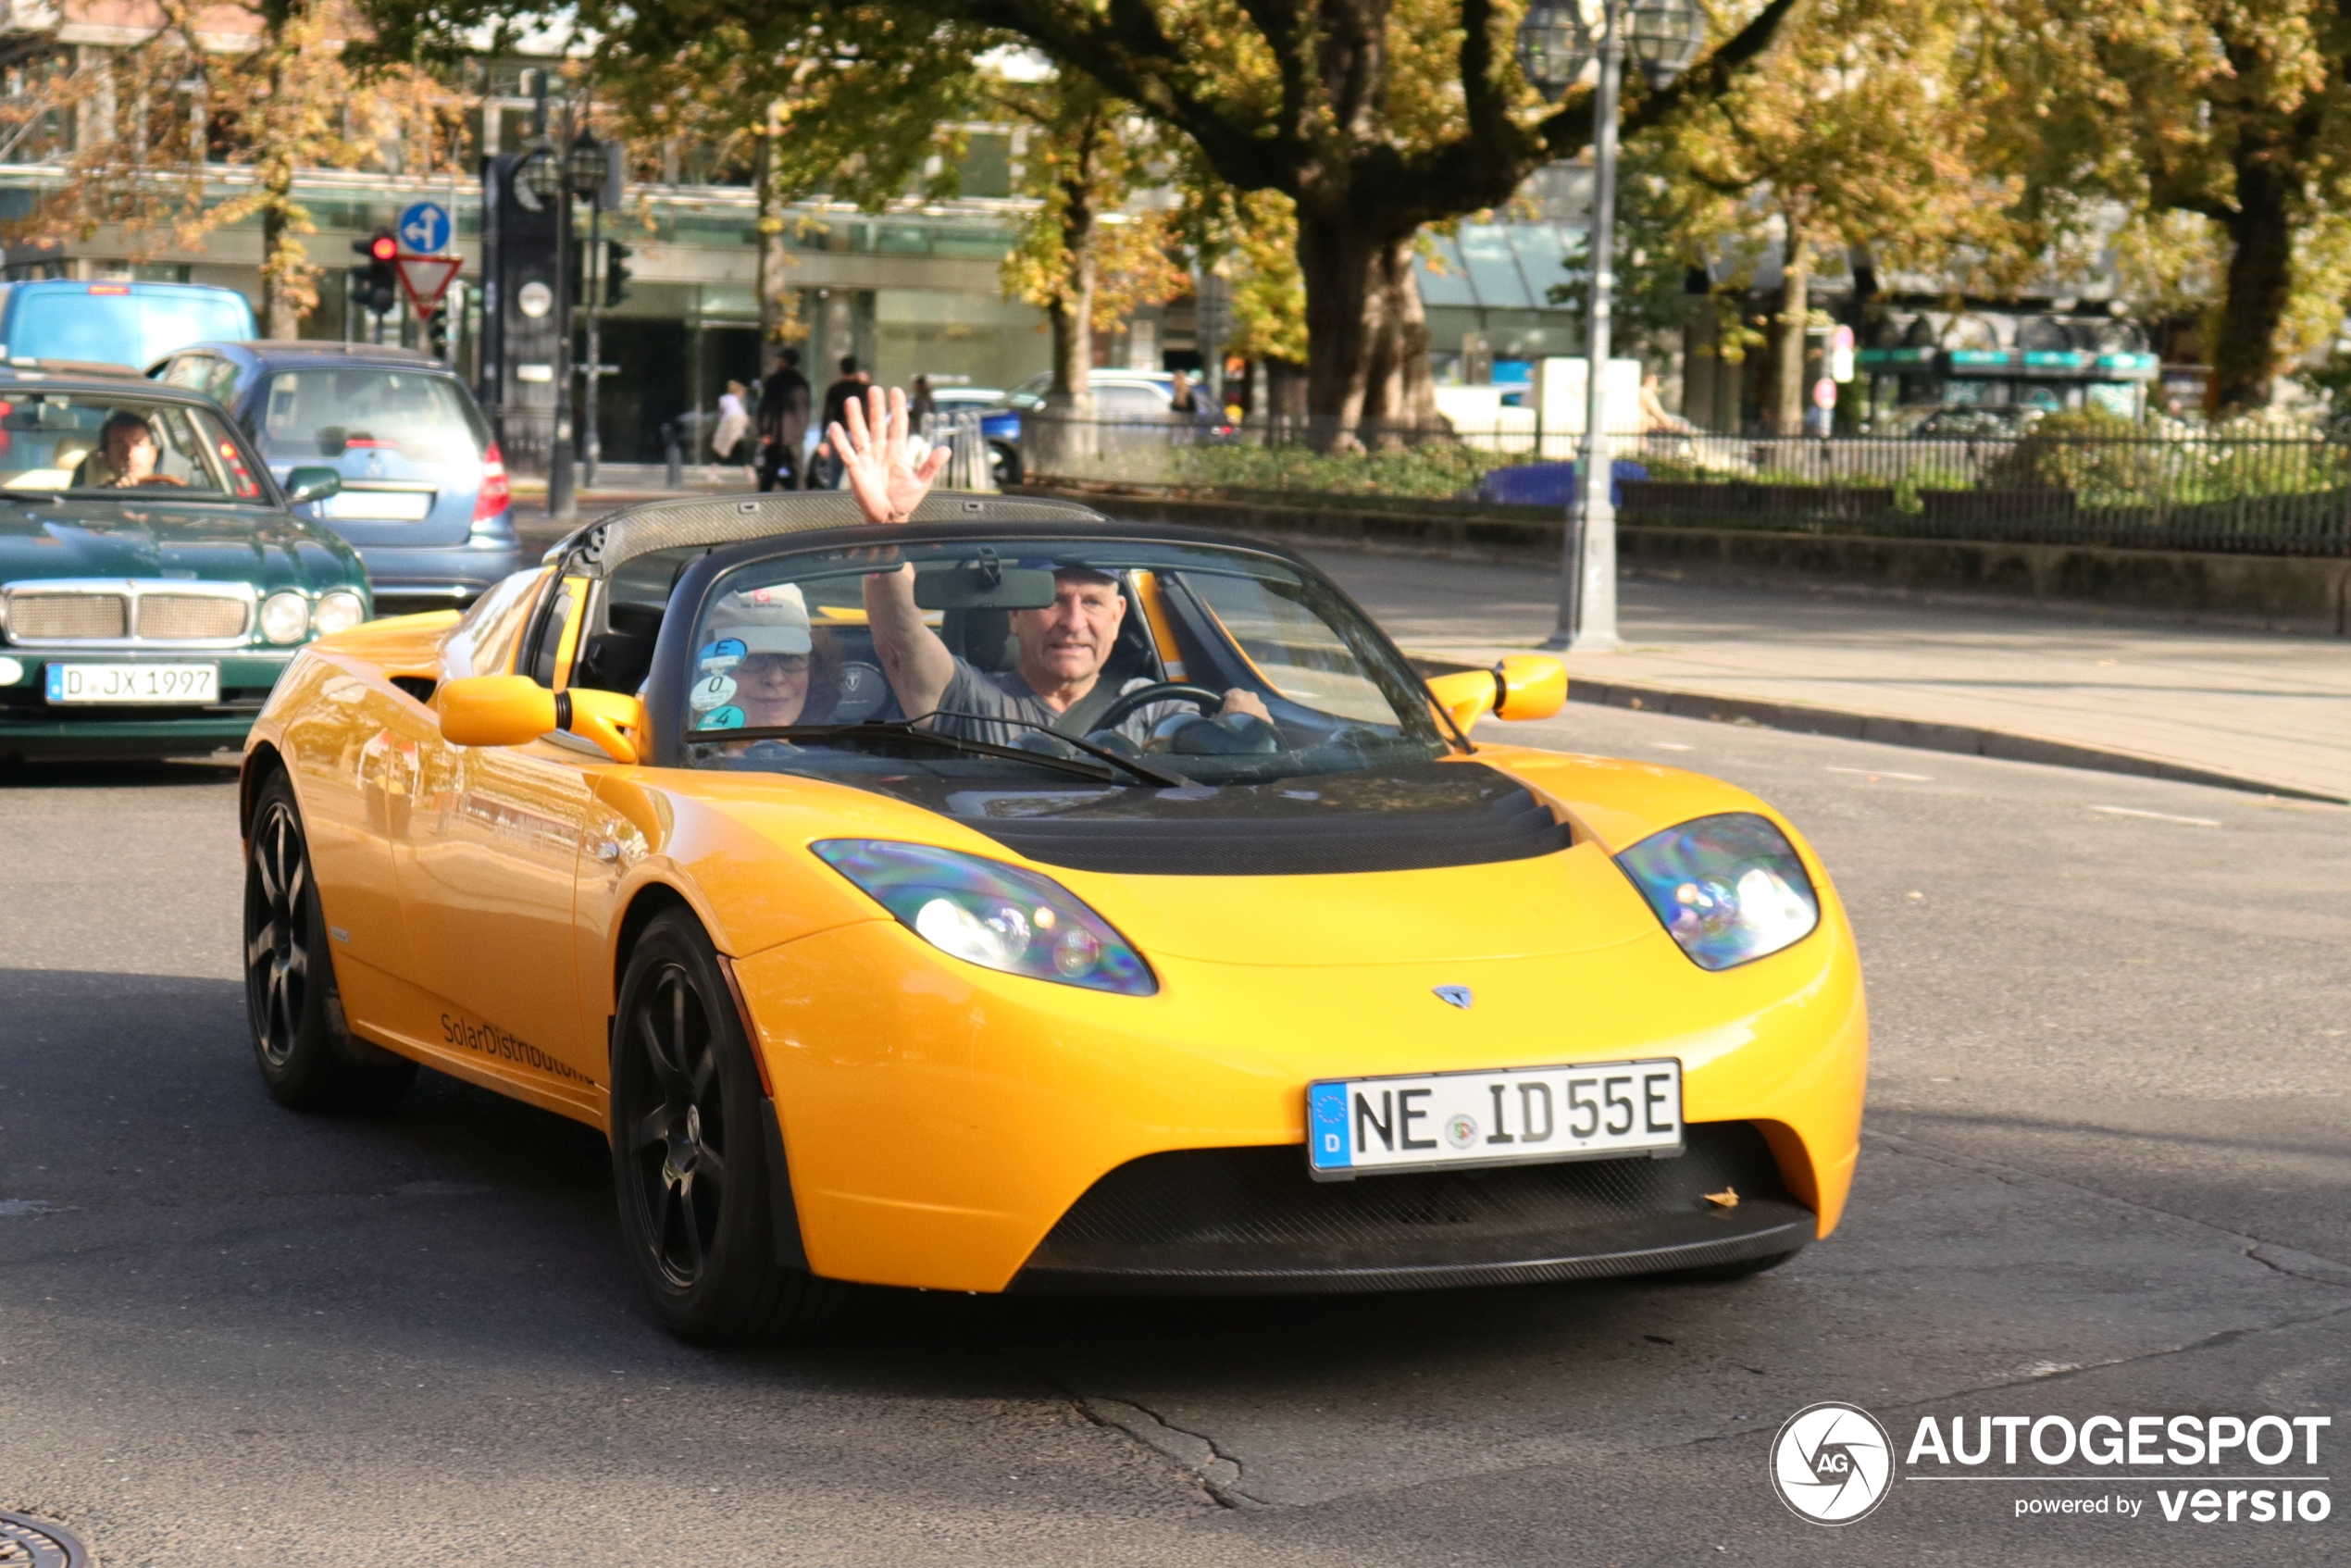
(1523, 686)
(513, 710)
(983, 585)
(312, 484)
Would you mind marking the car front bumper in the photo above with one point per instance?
(32, 727)
(952, 1128)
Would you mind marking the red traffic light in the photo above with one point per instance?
(383, 247)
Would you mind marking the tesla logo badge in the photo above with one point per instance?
(1455, 996)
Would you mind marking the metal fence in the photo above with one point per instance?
(973, 465)
(2197, 491)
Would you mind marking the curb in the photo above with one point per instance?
(1919, 735)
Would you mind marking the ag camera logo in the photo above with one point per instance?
(1831, 1464)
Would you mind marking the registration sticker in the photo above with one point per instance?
(1510, 1116)
(717, 658)
(711, 691)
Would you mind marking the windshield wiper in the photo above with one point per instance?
(1153, 775)
(900, 730)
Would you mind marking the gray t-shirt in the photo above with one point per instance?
(974, 690)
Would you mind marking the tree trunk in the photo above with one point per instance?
(1795, 312)
(2260, 280)
(1344, 271)
(1066, 437)
(776, 321)
(282, 260)
(1401, 396)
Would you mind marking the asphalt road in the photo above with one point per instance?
(2106, 1171)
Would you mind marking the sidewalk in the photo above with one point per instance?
(2250, 707)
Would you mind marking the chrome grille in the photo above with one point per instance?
(69, 615)
(183, 617)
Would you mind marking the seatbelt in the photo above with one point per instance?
(1078, 719)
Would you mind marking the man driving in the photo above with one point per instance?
(1056, 681)
(125, 457)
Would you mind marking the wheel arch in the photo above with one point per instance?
(647, 904)
(261, 765)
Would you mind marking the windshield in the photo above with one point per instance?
(120, 324)
(1014, 657)
(325, 412)
(90, 442)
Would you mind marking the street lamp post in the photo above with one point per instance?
(585, 166)
(1557, 46)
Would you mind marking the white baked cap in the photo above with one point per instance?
(765, 620)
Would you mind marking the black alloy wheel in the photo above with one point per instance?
(307, 1055)
(690, 1154)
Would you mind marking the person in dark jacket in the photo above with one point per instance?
(826, 471)
(783, 422)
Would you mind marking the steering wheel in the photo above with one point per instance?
(1136, 701)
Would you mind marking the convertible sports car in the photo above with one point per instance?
(1273, 980)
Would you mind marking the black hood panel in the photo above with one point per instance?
(1411, 817)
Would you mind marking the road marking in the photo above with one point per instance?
(1671, 746)
(2158, 817)
(1885, 773)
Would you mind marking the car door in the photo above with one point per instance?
(486, 872)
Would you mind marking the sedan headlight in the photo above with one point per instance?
(339, 611)
(285, 617)
(1729, 889)
(996, 917)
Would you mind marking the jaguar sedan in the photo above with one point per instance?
(153, 583)
(1252, 972)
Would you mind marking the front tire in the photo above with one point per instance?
(690, 1155)
(305, 1053)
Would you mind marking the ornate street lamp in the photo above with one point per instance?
(1559, 46)
(585, 163)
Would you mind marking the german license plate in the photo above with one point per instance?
(376, 506)
(1511, 1116)
(138, 684)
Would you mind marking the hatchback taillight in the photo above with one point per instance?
(494, 493)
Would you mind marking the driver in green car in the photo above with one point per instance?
(1056, 682)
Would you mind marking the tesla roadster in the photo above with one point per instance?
(1283, 975)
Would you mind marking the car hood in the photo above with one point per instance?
(262, 546)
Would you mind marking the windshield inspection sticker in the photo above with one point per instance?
(729, 717)
(711, 691)
(717, 658)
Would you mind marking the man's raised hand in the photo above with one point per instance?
(873, 454)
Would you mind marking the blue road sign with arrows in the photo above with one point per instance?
(425, 227)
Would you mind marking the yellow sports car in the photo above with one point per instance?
(1013, 899)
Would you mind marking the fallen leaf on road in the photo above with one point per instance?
(1726, 1199)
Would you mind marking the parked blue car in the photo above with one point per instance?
(424, 497)
(128, 324)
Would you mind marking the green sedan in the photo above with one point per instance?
(152, 583)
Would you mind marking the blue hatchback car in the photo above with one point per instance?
(423, 496)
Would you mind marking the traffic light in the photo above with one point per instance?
(437, 333)
(615, 272)
(374, 286)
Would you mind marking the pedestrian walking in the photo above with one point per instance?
(920, 401)
(730, 442)
(783, 423)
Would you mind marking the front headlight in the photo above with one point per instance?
(995, 916)
(339, 611)
(1729, 889)
(285, 617)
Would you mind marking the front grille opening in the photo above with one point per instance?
(188, 618)
(1202, 1214)
(68, 615)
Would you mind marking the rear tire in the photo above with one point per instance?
(690, 1155)
(308, 1057)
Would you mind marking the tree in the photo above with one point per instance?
(155, 116)
(1082, 258)
(1373, 117)
(1861, 126)
(855, 110)
(2229, 110)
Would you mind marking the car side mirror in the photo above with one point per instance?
(513, 710)
(312, 484)
(1523, 686)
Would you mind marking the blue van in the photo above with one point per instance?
(128, 324)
